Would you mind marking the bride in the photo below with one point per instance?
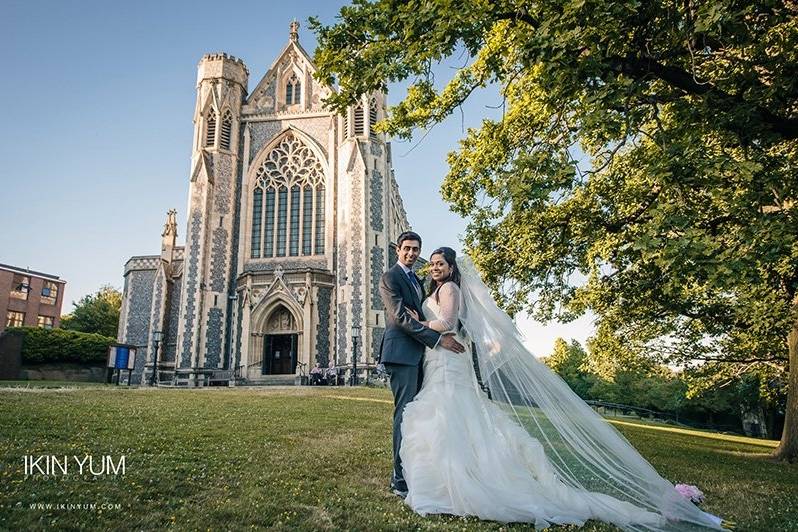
(520, 446)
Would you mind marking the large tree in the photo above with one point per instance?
(648, 146)
(96, 313)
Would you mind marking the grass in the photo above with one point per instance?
(296, 458)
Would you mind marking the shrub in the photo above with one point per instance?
(41, 346)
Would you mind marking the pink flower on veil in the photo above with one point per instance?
(688, 491)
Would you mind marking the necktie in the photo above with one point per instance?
(414, 282)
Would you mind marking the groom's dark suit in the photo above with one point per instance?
(402, 350)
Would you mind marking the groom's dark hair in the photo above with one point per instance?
(407, 235)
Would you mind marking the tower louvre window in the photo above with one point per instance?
(372, 117)
(210, 133)
(346, 124)
(292, 179)
(359, 120)
(227, 127)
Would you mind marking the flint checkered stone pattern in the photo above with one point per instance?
(376, 341)
(234, 259)
(376, 200)
(150, 262)
(259, 134)
(377, 267)
(341, 327)
(138, 315)
(209, 167)
(214, 336)
(357, 253)
(318, 129)
(375, 149)
(170, 343)
(323, 326)
(192, 282)
(157, 300)
(222, 189)
(218, 259)
(141, 285)
(239, 327)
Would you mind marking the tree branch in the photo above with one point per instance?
(641, 67)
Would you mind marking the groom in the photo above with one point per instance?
(402, 351)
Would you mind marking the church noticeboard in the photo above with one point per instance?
(121, 356)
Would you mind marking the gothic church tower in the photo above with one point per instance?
(209, 251)
(292, 215)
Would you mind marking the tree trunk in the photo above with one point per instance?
(788, 447)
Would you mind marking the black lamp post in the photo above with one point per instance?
(156, 338)
(355, 338)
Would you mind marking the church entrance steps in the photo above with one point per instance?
(271, 380)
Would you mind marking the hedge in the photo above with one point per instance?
(41, 345)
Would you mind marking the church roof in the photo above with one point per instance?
(292, 52)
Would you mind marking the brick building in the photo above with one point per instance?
(29, 298)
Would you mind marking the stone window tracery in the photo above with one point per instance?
(290, 220)
(293, 90)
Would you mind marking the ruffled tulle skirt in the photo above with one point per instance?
(463, 455)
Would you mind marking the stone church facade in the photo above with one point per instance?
(292, 214)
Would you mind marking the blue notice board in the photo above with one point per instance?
(122, 354)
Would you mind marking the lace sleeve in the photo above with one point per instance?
(449, 304)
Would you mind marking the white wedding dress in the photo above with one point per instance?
(462, 454)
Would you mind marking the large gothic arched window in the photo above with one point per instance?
(288, 202)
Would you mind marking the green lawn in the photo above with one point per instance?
(296, 458)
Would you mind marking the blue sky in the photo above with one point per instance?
(98, 125)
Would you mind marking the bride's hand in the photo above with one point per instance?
(413, 313)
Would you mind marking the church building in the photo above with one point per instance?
(292, 215)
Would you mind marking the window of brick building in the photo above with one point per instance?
(20, 286)
(45, 322)
(15, 319)
(49, 293)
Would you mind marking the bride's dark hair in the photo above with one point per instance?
(450, 256)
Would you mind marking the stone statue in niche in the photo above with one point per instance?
(300, 294)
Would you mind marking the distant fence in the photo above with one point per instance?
(616, 409)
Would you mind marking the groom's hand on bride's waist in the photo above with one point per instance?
(448, 342)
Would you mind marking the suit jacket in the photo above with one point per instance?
(404, 339)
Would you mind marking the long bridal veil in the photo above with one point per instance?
(585, 450)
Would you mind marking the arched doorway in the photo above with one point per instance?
(280, 343)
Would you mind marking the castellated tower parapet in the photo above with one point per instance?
(222, 66)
